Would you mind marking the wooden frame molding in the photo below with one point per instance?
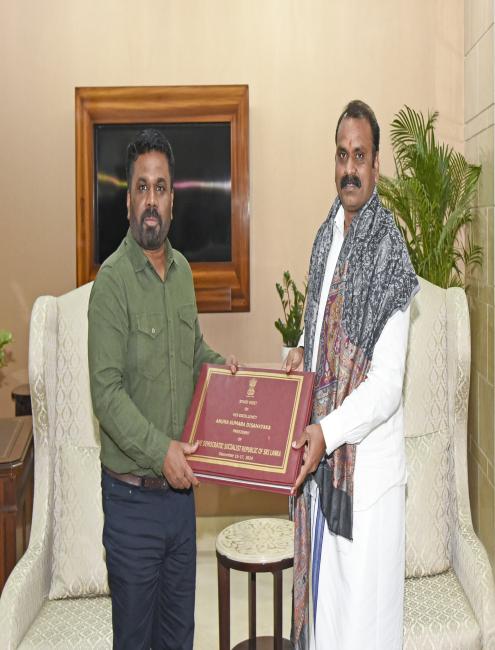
(220, 286)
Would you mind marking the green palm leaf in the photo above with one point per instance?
(431, 199)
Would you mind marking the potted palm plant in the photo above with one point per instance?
(293, 302)
(5, 339)
(431, 200)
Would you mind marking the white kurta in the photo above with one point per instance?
(361, 583)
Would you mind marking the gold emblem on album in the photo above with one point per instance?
(252, 386)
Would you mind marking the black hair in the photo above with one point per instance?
(360, 110)
(146, 141)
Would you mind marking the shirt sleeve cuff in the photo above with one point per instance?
(332, 427)
(159, 456)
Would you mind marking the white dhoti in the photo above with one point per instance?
(361, 582)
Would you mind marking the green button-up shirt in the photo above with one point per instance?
(145, 351)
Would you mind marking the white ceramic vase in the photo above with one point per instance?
(285, 351)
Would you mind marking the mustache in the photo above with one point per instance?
(348, 179)
(151, 212)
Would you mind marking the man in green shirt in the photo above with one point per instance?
(145, 352)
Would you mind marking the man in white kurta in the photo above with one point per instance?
(357, 584)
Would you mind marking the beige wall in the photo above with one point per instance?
(302, 61)
(479, 132)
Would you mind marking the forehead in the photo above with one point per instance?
(153, 164)
(354, 132)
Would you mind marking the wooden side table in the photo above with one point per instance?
(254, 545)
(16, 490)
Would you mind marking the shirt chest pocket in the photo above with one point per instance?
(187, 324)
(150, 337)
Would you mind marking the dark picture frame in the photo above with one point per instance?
(220, 286)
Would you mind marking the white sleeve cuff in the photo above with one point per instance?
(334, 430)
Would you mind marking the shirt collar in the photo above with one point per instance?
(339, 220)
(137, 256)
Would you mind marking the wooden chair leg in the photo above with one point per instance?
(277, 609)
(252, 604)
(223, 605)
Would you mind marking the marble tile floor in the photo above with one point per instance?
(206, 637)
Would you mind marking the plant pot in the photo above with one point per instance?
(285, 351)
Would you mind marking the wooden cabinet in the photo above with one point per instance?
(16, 490)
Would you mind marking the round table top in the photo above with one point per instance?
(259, 541)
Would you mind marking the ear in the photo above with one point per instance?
(376, 166)
(128, 203)
(171, 205)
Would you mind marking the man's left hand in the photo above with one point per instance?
(314, 440)
(231, 361)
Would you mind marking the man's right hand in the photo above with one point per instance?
(294, 360)
(176, 468)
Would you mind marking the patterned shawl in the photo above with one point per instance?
(373, 279)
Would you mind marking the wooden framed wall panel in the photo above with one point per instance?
(220, 285)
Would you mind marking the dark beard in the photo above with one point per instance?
(149, 238)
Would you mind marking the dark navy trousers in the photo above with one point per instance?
(150, 542)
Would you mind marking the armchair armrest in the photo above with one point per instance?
(472, 567)
(24, 593)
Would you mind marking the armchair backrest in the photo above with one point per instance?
(435, 402)
(65, 426)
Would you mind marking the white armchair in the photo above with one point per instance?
(57, 595)
(450, 593)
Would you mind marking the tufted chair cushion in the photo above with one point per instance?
(78, 624)
(78, 556)
(437, 615)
